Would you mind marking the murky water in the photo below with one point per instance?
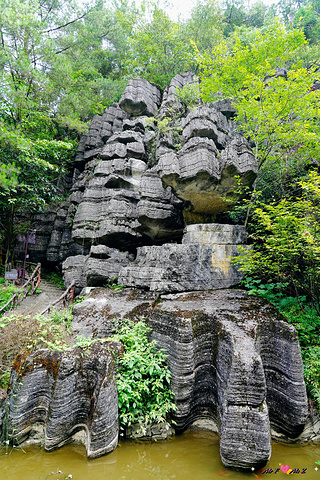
(191, 456)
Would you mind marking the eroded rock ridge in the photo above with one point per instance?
(147, 168)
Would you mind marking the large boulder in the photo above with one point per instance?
(236, 365)
(201, 262)
(65, 393)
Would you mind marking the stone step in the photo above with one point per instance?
(34, 304)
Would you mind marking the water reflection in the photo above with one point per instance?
(191, 456)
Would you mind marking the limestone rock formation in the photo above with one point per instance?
(201, 262)
(65, 393)
(141, 98)
(234, 363)
(147, 167)
(233, 359)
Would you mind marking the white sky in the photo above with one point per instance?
(182, 8)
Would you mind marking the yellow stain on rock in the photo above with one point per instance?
(221, 258)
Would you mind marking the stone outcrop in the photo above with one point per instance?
(201, 262)
(141, 98)
(147, 167)
(64, 393)
(150, 178)
(234, 363)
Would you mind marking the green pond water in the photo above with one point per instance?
(191, 456)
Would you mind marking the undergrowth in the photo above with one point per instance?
(53, 278)
(304, 318)
(7, 290)
(143, 378)
(18, 333)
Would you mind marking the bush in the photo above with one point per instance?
(143, 378)
(6, 292)
(286, 248)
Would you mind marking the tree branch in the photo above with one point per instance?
(68, 23)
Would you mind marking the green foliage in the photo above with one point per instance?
(112, 283)
(189, 95)
(279, 115)
(7, 290)
(143, 379)
(286, 246)
(53, 277)
(4, 379)
(205, 26)
(159, 49)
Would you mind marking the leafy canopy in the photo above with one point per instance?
(280, 115)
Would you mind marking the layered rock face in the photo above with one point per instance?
(65, 393)
(147, 167)
(150, 178)
(201, 262)
(234, 363)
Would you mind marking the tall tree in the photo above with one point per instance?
(160, 49)
(278, 111)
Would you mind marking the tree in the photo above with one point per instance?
(277, 110)
(286, 248)
(205, 25)
(307, 19)
(160, 49)
(59, 65)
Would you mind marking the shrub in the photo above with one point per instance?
(6, 292)
(286, 248)
(143, 378)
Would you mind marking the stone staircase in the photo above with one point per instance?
(34, 304)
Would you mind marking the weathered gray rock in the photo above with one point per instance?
(234, 363)
(112, 121)
(103, 264)
(73, 271)
(225, 107)
(201, 262)
(128, 143)
(159, 211)
(154, 432)
(141, 97)
(67, 392)
(218, 344)
(96, 315)
(107, 213)
(124, 204)
(205, 178)
(206, 121)
(42, 223)
(101, 128)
